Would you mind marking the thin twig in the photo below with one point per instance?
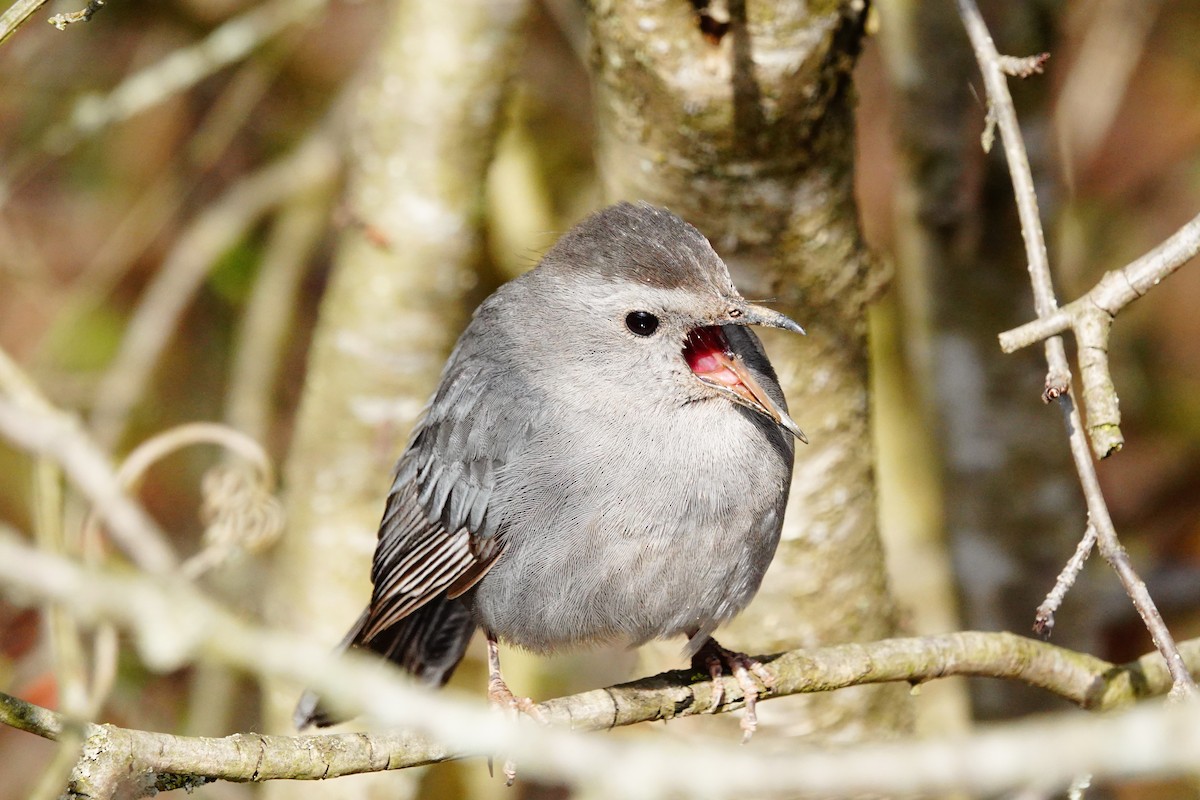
(64, 636)
(1058, 378)
(1043, 622)
(248, 520)
(1114, 291)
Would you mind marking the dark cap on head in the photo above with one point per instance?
(642, 243)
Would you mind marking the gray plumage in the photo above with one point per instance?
(572, 482)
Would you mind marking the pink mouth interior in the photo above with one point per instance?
(708, 354)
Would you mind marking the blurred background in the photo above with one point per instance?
(117, 188)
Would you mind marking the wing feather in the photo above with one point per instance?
(440, 533)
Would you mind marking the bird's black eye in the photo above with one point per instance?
(643, 323)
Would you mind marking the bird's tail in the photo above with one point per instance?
(428, 643)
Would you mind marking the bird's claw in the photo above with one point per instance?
(742, 666)
(504, 701)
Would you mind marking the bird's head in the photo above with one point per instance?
(638, 290)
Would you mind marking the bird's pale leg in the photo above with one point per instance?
(715, 658)
(502, 699)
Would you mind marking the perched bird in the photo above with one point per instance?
(606, 459)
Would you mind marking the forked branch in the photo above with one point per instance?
(1091, 315)
(1058, 378)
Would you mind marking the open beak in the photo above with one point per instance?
(713, 361)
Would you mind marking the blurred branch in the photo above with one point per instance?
(239, 510)
(67, 652)
(265, 325)
(183, 68)
(16, 15)
(173, 624)
(62, 631)
(159, 202)
(35, 426)
(216, 230)
(1058, 379)
(1096, 82)
(1090, 317)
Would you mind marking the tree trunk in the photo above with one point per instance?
(739, 117)
(403, 283)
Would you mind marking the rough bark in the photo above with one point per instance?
(747, 132)
(421, 137)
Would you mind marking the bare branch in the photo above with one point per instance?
(1115, 290)
(1058, 376)
(173, 624)
(239, 510)
(1090, 316)
(265, 325)
(60, 438)
(1043, 621)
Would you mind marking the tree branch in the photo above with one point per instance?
(173, 624)
(1090, 316)
(16, 15)
(1146, 740)
(59, 438)
(1058, 378)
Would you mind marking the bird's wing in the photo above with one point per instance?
(439, 532)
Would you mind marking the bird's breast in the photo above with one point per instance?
(636, 526)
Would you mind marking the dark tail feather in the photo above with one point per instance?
(428, 643)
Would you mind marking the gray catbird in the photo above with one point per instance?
(606, 459)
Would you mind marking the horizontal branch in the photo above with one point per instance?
(176, 761)
(172, 624)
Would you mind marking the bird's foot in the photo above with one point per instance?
(501, 697)
(503, 700)
(715, 658)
